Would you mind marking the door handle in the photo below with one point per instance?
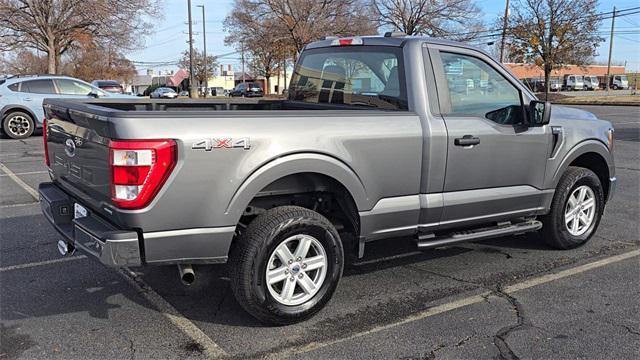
(26, 99)
(467, 140)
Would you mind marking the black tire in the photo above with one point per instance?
(555, 232)
(14, 125)
(249, 259)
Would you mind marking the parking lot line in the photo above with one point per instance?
(41, 263)
(26, 173)
(210, 348)
(474, 299)
(18, 205)
(19, 181)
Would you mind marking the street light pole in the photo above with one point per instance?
(192, 83)
(206, 64)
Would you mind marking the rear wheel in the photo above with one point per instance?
(576, 209)
(18, 125)
(286, 265)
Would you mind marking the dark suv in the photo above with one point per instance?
(247, 90)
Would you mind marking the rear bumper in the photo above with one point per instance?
(91, 234)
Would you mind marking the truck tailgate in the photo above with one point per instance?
(78, 153)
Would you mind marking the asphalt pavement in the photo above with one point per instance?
(505, 298)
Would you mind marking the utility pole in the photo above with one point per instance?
(613, 22)
(242, 56)
(206, 63)
(192, 83)
(504, 30)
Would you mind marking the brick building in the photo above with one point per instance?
(530, 71)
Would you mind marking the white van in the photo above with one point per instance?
(573, 82)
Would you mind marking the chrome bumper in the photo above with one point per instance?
(91, 234)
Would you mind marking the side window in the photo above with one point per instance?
(14, 87)
(70, 87)
(477, 89)
(41, 86)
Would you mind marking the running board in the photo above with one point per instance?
(426, 241)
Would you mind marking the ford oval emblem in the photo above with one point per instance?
(70, 147)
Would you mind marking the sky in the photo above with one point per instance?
(169, 37)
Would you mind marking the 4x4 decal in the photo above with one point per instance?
(222, 143)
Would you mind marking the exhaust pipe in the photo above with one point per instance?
(187, 276)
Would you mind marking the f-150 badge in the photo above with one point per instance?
(222, 143)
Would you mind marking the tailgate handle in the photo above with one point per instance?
(467, 140)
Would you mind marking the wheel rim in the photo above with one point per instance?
(296, 270)
(18, 125)
(580, 210)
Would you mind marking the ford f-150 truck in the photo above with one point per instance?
(379, 137)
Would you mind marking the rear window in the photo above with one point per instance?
(367, 76)
(41, 86)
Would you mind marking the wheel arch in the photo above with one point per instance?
(326, 167)
(10, 108)
(592, 155)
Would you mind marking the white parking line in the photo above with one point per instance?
(26, 173)
(211, 349)
(18, 205)
(19, 181)
(41, 263)
(475, 299)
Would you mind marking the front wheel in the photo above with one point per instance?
(576, 209)
(286, 265)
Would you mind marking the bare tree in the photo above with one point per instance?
(455, 19)
(199, 64)
(92, 62)
(553, 33)
(56, 26)
(266, 48)
(299, 22)
(25, 62)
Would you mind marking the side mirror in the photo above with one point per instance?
(539, 113)
(94, 94)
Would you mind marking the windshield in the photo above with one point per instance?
(371, 76)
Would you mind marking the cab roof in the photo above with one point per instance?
(389, 39)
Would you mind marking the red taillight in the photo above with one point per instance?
(44, 141)
(345, 41)
(139, 168)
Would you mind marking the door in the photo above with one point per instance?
(495, 161)
(33, 92)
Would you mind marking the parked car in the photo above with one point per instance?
(183, 93)
(591, 82)
(164, 93)
(619, 82)
(247, 90)
(111, 86)
(21, 100)
(285, 191)
(573, 82)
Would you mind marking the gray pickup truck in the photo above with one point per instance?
(380, 137)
